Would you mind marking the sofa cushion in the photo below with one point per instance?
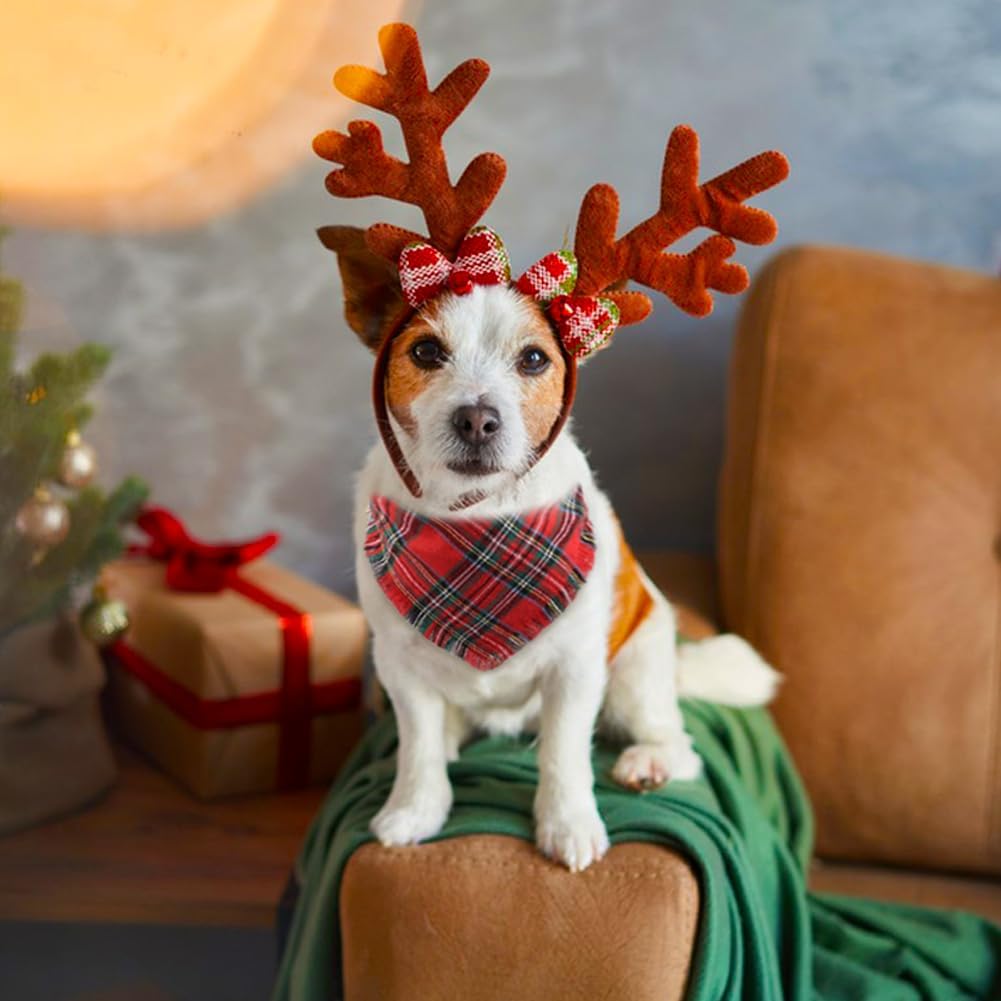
(859, 544)
(981, 895)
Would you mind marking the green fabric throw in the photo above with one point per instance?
(747, 829)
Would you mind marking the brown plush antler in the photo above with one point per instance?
(606, 263)
(366, 169)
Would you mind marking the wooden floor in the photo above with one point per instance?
(149, 853)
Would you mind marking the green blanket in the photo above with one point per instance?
(746, 827)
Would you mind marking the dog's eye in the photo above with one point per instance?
(428, 353)
(533, 361)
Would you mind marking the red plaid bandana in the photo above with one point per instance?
(481, 588)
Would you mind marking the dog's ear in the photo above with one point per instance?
(372, 295)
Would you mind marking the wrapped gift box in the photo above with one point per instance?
(252, 686)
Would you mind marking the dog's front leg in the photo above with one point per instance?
(418, 805)
(568, 827)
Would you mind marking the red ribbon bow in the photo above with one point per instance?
(193, 565)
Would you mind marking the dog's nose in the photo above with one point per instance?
(476, 424)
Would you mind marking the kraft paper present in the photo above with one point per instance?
(201, 681)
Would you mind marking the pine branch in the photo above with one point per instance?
(123, 504)
(37, 411)
(11, 300)
(95, 539)
(38, 408)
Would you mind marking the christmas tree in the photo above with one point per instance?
(56, 530)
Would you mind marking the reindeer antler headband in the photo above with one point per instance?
(583, 291)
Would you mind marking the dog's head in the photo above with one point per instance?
(475, 384)
(472, 383)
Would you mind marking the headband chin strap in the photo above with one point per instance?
(392, 444)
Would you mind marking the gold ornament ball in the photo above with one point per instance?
(103, 621)
(78, 465)
(43, 520)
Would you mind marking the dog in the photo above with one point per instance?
(473, 384)
(501, 595)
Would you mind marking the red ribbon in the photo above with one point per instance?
(193, 565)
(198, 566)
(241, 710)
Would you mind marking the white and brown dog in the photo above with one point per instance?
(491, 567)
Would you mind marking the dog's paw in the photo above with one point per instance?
(643, 766)
(574, 838)
(686, 765)
(409, 823)
(649, 766)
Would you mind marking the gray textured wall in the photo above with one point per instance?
(239, 393)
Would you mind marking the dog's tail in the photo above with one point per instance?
(725, 669)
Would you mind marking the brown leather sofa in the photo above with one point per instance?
(860, 550)
(859, 531)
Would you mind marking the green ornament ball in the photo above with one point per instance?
(103, 621)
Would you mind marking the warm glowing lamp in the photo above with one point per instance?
(145, 114)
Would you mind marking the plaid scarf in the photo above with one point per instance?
(481, 588)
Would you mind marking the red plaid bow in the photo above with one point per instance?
(481, 588)
(584, 323)
(426, 272)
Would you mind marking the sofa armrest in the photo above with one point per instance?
(485, 916)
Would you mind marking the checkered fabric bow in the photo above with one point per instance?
(584, 323)
(425, 272)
